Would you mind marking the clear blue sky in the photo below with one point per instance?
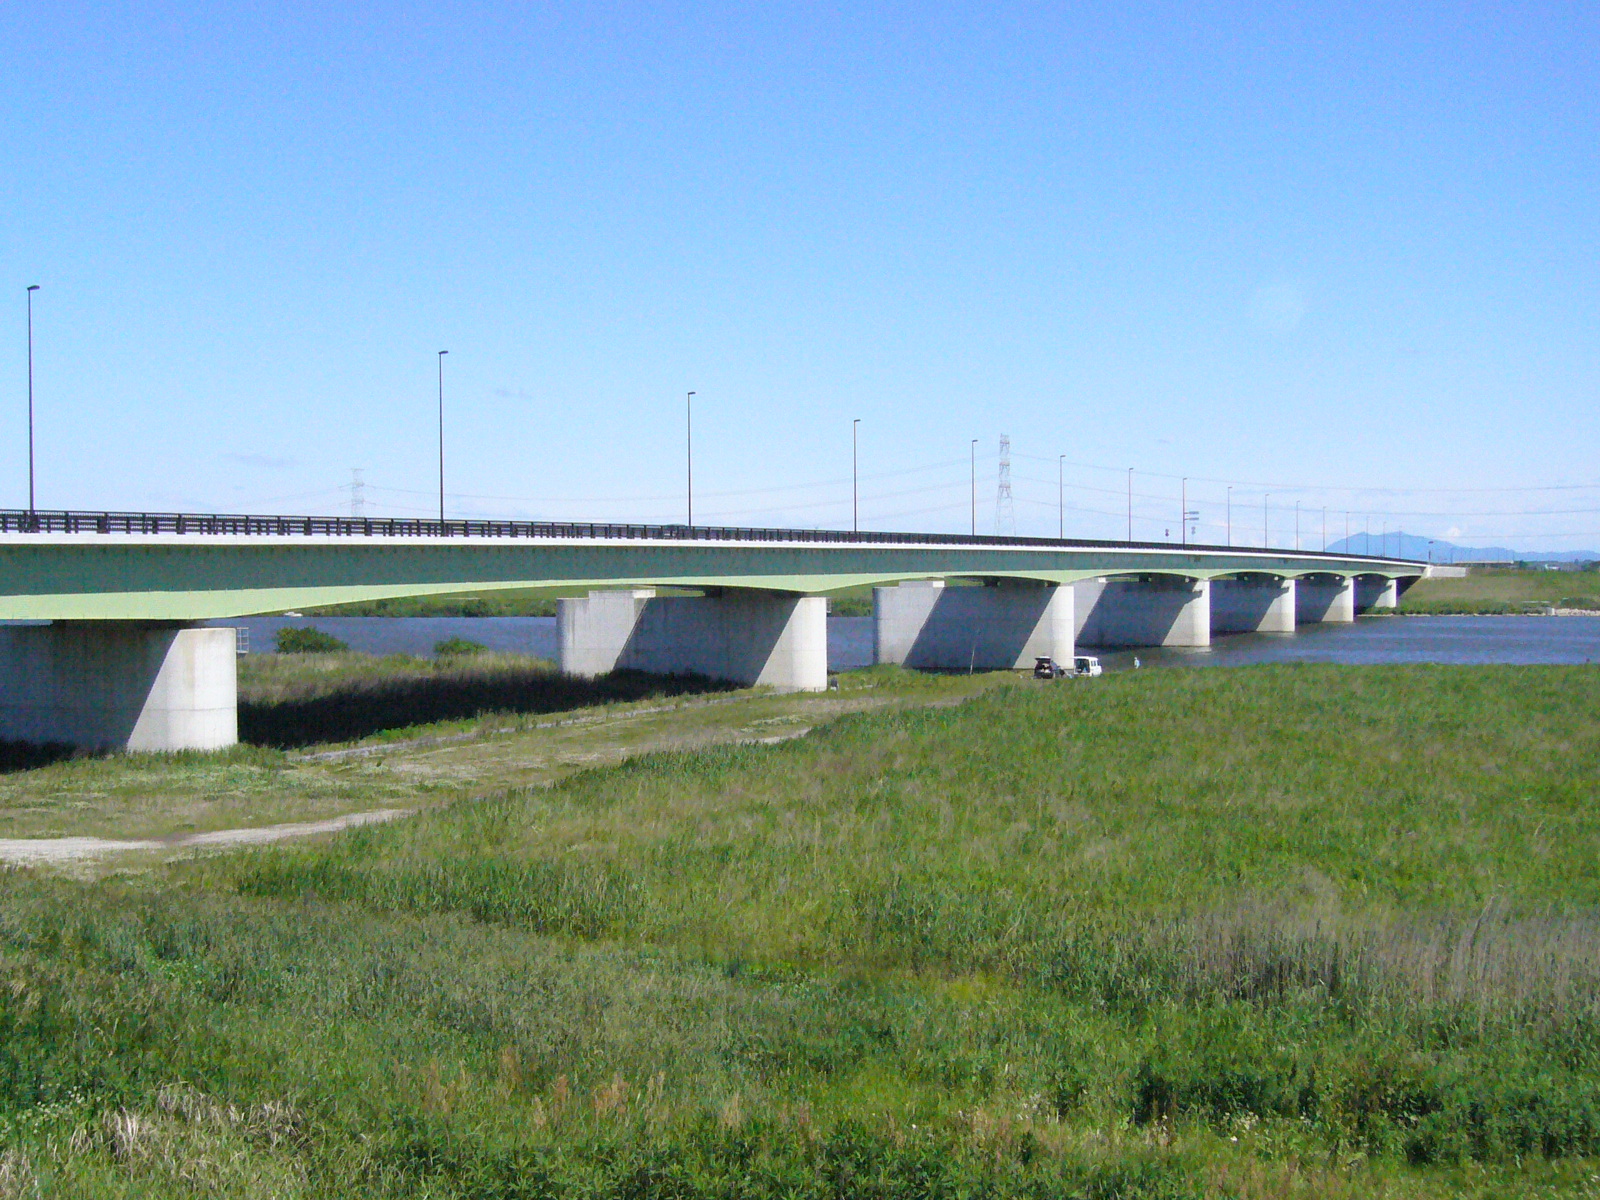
(1347, 252)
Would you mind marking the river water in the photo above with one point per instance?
(1369, 640)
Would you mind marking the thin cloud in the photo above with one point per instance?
(264, 462)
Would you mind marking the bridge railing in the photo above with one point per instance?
(243, 525)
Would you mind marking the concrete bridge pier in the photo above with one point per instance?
(119, 685)
(1002, 626)
(1253, 604)
(1376, 592)
(740, 635)
(1151, 610)
(1326, 598)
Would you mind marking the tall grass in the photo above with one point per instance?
(291, 701)
(166, 1038)
(1390, 863)
(1277, 931)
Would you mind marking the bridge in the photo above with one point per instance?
(125, 662)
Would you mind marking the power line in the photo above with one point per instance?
(636, 499)
(1305, 487)
(1383, 511)
(782, 498)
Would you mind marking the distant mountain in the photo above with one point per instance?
(1408, 545)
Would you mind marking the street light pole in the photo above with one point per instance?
(1230, 516)
(855, 484)
(1297, 527)
(1130, 504)
(1183, 534)
(1324, 528)
(688, 444)
(1266, 523)
(974, 487)
(442, 353)
(32, 288)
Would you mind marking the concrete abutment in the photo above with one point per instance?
(1253, 604)
(1002, 626)
(1155, 610)
(1330, 599)
(119, 685)
(742, 636)
(1376, 592)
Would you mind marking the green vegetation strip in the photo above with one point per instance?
(531, 602)
(1505, 593)
(1293, 931)
(295, 700)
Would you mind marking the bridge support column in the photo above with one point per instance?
(748, 637)
(1160, 610)
(1253, 604)
(1326, 598)
(933, 627)
(119, 685)
(1375, 592)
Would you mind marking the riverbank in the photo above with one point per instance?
(1485, 608)
(1505, 591)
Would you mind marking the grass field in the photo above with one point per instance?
(489, 724)
(1505, 591)
(1267, 932)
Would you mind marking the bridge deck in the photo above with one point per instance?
(185, 567)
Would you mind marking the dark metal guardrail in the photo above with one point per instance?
(238, 525)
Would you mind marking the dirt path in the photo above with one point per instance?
(457, 766)
(44, 851)
(35, 851)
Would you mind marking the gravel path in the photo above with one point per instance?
(30, 851)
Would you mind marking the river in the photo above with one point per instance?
(1369, 640)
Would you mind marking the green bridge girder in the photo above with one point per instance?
(182, 577)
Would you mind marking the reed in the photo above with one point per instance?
(286, 701)
(1291, 931)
